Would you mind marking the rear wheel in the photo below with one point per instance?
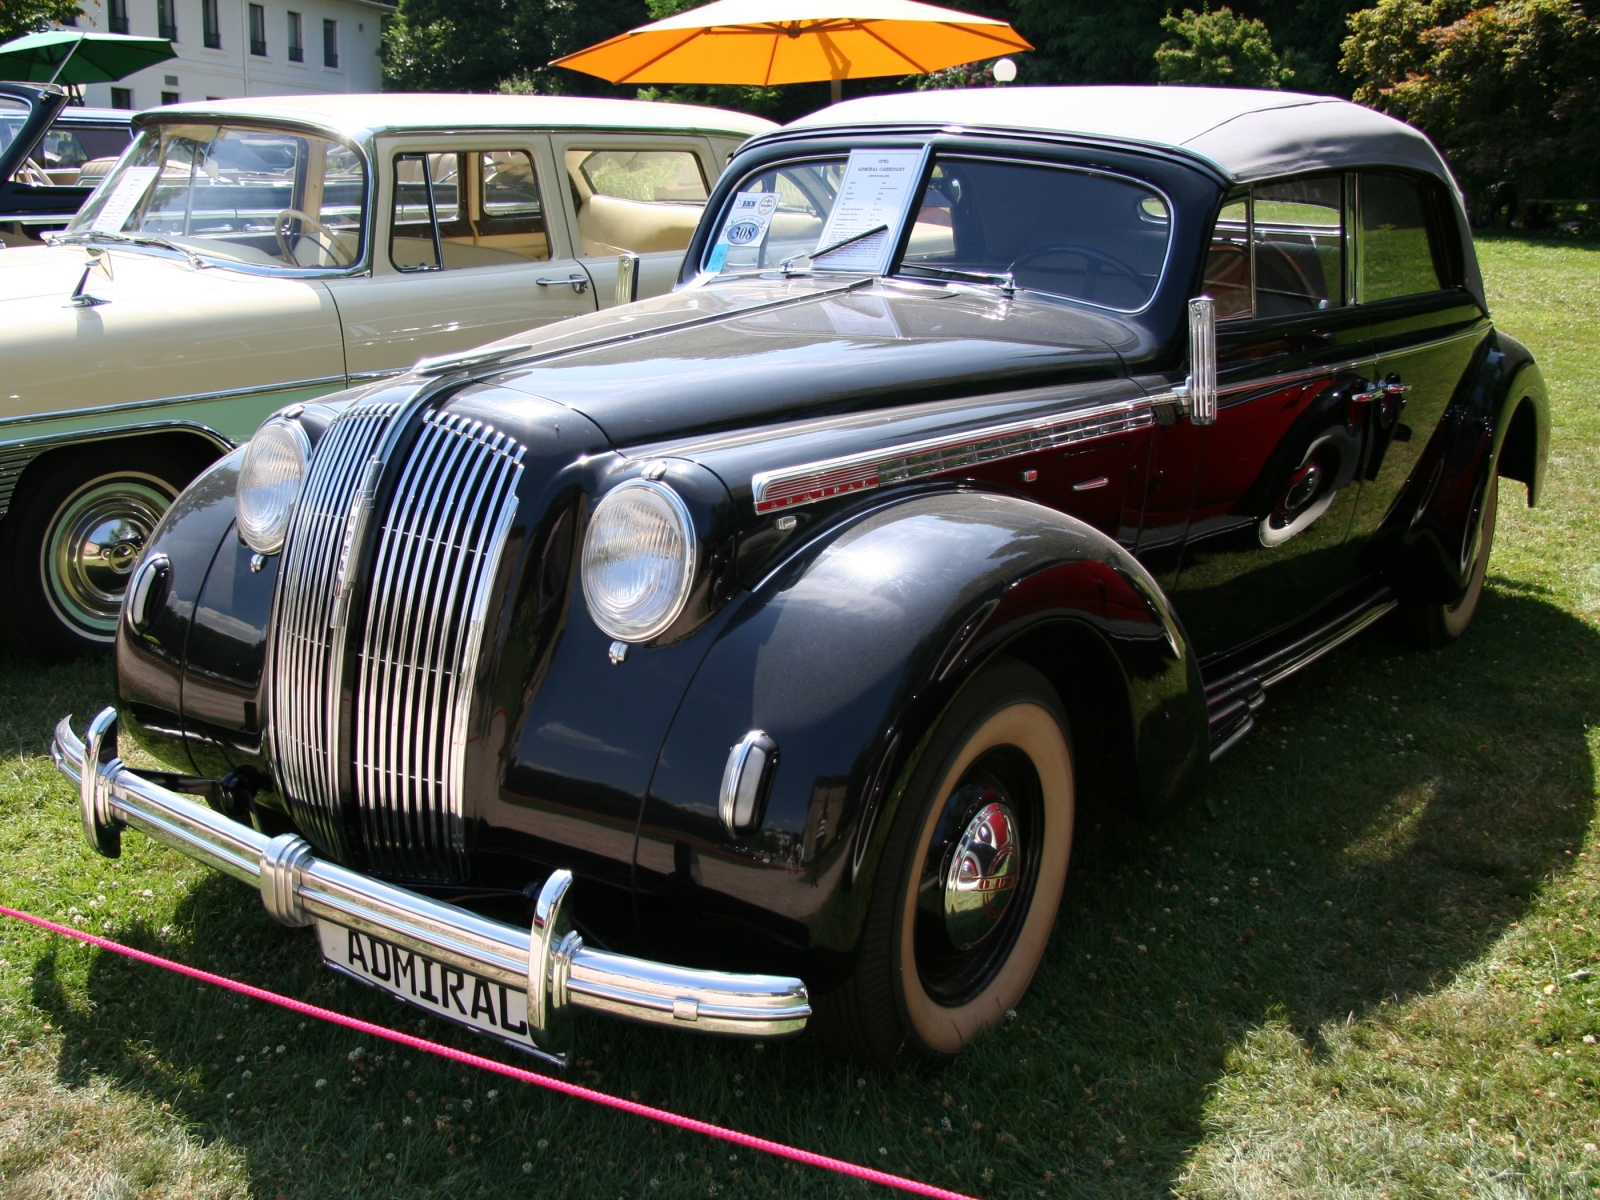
(970, 881)
(75, 532)
(1429, 625)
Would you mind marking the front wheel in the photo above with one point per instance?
(74, 534)
(970, 881)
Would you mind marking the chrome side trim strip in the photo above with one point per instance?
(298, 888)
(333, 382)
(789, 487)
(1332, 641)
(1288, 378)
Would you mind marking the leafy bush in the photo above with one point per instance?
(1219, 48)
(1505, 90)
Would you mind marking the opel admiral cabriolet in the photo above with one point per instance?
(734, 660)
(247, 254)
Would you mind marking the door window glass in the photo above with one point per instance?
(259, 196)
(1228, 262)
(474, 209)
(641, 201)
(1299, 260)
(1397, 257)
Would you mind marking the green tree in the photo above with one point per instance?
(1508, 90)
(18, 17)
(1219, 48)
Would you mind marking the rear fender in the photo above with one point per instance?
(845, 656)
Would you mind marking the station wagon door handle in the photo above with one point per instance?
(579, 282)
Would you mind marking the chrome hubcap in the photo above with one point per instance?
(93, 545)
(983, 876)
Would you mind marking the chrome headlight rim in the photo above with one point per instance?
(267, 537)
(600, 611)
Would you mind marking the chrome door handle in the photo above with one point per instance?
(1394, 388)
(1368, 395)
(579, 282)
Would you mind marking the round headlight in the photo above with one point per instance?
(638, 560)
(269, 483)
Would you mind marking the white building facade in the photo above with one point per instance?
(233, 48)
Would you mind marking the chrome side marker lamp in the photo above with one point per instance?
(745, 782)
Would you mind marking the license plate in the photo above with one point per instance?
(459, 996)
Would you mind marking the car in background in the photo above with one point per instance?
(52, 155)
(244, 255)
(998, 448)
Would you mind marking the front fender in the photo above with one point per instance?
(845, 656)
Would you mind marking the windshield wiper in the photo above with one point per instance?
(813, 255)
(1005, 281)
(123, 239)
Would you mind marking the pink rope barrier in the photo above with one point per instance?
(749, 1141)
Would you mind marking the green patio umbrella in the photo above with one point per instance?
(73, 56)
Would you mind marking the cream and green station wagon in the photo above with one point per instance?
(250, 254)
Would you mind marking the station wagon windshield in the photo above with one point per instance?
(1068, 232)
(263, 197)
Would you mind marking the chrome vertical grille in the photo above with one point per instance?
(433, 563)
(303, 722)
(433, 566)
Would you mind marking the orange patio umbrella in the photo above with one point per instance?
(764, 42)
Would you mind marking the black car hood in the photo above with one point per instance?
(752, 352)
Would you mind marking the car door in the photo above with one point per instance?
(465, 251)
(1426, 329)
(1275, 478)
(634, 194)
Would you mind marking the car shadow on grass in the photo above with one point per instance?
(1393, 816)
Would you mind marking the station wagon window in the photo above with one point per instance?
(476, 208)
(264, 197)
(1065, 231)
(1399, 245)
(1278, 250)
(638, 201)
(66, 150)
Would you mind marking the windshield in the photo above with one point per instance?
(259, 196)
(1066, 231)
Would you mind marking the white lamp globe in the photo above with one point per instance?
(1004, 70)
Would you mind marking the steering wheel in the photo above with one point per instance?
(317, 230)
(1116, 264)
(32, 174)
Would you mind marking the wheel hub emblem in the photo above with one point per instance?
(983, 875)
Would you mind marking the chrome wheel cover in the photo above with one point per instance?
(983, 875)
(93, 544)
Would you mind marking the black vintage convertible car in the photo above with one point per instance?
(733, 660)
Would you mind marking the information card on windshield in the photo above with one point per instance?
(113, 215)
(877, 189)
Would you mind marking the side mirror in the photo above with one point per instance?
(1200, 390)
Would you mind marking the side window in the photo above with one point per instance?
(1397, 240)
(478, 208)
(1228, 261)
(640, 201)
(1278, 250)
(1297, 236)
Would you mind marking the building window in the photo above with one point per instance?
(169, 97)
(297, 38)
(119, 23)
(213, 27)
(121, 97)
(167, 19)
(258, 31)
(330, 43)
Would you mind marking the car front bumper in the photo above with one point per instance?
(547, 960)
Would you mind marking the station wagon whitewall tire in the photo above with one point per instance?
(971, 878)
(1428, 625)
(75, 534)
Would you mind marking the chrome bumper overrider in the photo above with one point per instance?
(549, 960)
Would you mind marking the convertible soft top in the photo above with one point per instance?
(1246, 134)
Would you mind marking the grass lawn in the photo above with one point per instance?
(1361, 968)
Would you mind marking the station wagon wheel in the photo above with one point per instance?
(970, 881)
(1429, 625)
(76, 529)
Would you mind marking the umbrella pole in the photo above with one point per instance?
(60, 66)
(836, 86)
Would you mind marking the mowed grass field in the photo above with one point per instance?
(1367, 965)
